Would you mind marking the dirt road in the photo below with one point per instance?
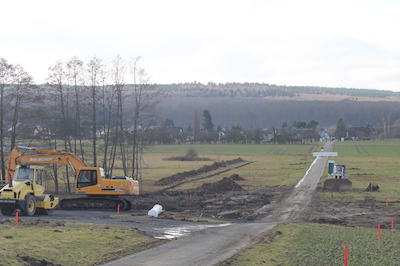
(208, 246)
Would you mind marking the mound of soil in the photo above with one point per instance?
(224, 185)
(219, 199)
(187, 158)
(236, 177)
(205, 169)
(37, 262)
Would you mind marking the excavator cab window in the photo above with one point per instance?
(87, 178)
(23, 173)
(39, 177)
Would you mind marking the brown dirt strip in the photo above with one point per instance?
(205, 177)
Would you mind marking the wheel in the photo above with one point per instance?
(7, 212)
(30, 206)
(49, 211)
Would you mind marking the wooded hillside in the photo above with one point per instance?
(253, 105)
(263, 90)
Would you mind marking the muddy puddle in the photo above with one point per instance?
(177, 232)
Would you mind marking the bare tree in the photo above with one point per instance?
(196, 123)
(113, 115)
(74, 74)
(108, 99)
(119, 70)
(95, 77)
(145, 98)
(6, 78)
(23, 89)
(57, 81)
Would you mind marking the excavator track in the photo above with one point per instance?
(95, 203)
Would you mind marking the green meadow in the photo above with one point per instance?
(320, 244)
(370, 161)
(271, 165)
(61, 243)
(308, 244)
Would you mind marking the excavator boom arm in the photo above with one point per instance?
(46, 157)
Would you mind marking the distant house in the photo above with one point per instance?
(267, 134)
(323, 134)
(221, 135)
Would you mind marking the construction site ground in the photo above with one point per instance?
(228, 199)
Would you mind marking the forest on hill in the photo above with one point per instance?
(262, 90)
(254, 105)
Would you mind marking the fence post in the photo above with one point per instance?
(346, 256)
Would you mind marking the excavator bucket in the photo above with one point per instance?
(372, 187)
(333, 184)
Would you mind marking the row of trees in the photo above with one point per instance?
(261, 90)
(299, 132)
(108, 103)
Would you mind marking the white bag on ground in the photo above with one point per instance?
(155, 211)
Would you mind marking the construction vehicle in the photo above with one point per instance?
(100, 192)
(337, 178)
(26, 193)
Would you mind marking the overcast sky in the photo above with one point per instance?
(342, 43)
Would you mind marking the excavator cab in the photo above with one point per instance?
(93, 181)
(86, 178)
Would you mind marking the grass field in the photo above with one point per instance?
(317, 244)
(370, 161)
(272, 165)
(41, 243)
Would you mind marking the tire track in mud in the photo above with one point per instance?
(204, 177)
(363, 152)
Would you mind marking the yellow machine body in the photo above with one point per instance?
(92, 181)
(26, 192)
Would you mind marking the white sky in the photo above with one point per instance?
(342, 43)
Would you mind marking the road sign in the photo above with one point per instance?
(325, 153)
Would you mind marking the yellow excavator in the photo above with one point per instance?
(26, 194)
